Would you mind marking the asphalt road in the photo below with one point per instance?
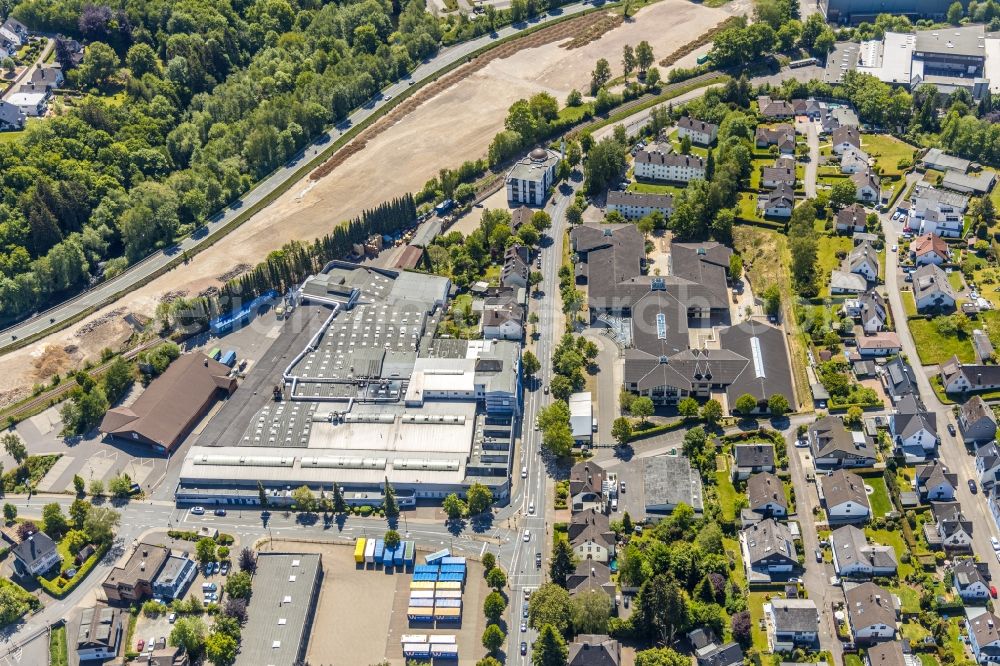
(951, 451)
(104, 293)
(531, 492)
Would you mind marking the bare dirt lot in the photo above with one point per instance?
(454, 125)
(371, 603)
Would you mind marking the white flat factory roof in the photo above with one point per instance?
(888, 60)
(992, 68)
(581, 414)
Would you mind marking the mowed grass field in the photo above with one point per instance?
(935, 348)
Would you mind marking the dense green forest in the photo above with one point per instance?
(186, 105)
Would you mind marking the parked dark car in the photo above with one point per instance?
(972, 486)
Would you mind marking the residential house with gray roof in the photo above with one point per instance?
(971, 580)
(100, 634)
(898, 379)
(913, 430)
(932, 290)
(888, 654)
(594, 650)
(752, 458)
(768, 549)
(958, 377)
(35, 555)
(774, 108)
(779, 202)
(935, 483)
(853, 218)
(872, 613)
(591, 575)
(845, 138)
(586, 486)
(844, 497)
(833, 445)
(976, 421)
(984, 638)
(591, 536)
(709, 652)
(793, 623)
(636, 205)
(766, 495)
(854, 557)
(867, 186)
(988, 464)
(698, 131)
(951, 529)
(863, 260)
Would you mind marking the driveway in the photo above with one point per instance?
(29, 70)
(607, 380)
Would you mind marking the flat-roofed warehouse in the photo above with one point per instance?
(373, 396)
(280, 615)
(172, 404)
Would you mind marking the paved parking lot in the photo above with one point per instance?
(90, 457)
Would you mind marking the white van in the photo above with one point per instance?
(614, 504)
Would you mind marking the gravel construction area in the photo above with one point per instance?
(454, 125)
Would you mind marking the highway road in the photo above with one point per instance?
(279, 180)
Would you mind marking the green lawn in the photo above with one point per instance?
(915, 632)
(574, 113)
(853, 660)
(887, 151)
(756, 607)
(58, 652)
(727, 494)
(881, 504)
(909, 598)
(827, 260)
(894, 539)
(935, 348)
(8, 137)
(748, 207)
(736, 573)
(956, 281)
(909, 303)
(654, 188)
(927, 659)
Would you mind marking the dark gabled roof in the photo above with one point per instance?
(889, 653)
(847, 134)
(869, 604)
(968, 572)
(798, 615)
(911, 417)
(754, 455)
(594, 650)
(687, 122)
(900, 377)
(728, 654)
(591, 525)
(586, 476)
(769, 538)
(764, 488)
(832, 438)
(854, 215)
(36, 547)
(590, 575)
(842, 486)
(767, 372)
(930, 279)
(976, 409)
(934, 474)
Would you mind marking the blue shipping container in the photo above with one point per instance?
(453, 560)
(453, 568)
(435, 558)
(451, 577)
(408, 552)
(444, 651)
(229, 358)
(387, 557)
(425, 577)
(426, 568)
(397, 556)
(379, 550)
